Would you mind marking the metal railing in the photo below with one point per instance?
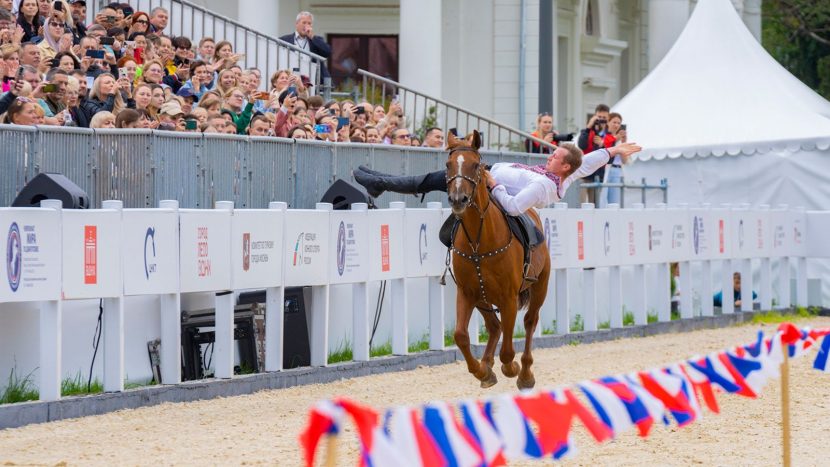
(267, 53)
(143, 167)
(423, 111)
(594, 189)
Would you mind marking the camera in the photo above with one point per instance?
(47, 88)
(107, 40)
(563, 137)
(191, 124)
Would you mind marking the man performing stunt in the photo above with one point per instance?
(517, 187)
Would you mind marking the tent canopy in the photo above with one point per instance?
(717, 91)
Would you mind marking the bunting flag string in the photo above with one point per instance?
(537, 424)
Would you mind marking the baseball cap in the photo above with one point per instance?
(187, 92)
(171, 108)
(82, 2)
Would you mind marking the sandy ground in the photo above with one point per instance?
(262, 428)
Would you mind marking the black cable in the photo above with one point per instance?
(211, 357)
(96, 342)
(378, 309)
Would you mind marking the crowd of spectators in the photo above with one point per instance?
(125, 71)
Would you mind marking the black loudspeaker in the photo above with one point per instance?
(51, 186)
(341, 194)
(296, 351)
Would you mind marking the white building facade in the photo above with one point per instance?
(505, 59)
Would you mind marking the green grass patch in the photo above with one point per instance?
(578, 325)
(675, 315)
(776, 317)
(604, 325)
(449, 338)
(139, 384)
(77, 386)
(519, 333)
(382, 350)
(547, 331)
(19, 389)
(628, 318)
(420, 346)
(574, 343)
(651, 318)
(344, 353)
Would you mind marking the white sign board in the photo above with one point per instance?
(743, 233)
(762, 246)
(386, 244)
(660, 228)
(780, 223)
(349, 236)
(798, 233)
(91, 253)
(583, 248)
(634, 235)
(818, 224)
(607, 225)
(306, 247)
(555, 227)
(151, 251)
(721, 241)
(205, 250)
(257, 248)
(424, 253)
(32, 255)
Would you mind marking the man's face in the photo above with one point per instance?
(159, 20)
(736, 283)
(7, 4)
(78, 12)
(60, 82)
(303, 25)
(401, 137)
(259, 128)
(31, 56)
(556, 163)
(602, 116)
(207, 49)
(106, 17)
(435, 139)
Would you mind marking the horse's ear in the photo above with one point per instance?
(475, 139)
(452, 141)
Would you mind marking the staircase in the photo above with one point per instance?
(262, 51)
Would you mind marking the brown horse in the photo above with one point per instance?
(488, 266)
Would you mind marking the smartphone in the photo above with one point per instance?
(190, 124)
(19, 72)
(129, 44)
(106, 40)
(623, 126)
(47, 88)
(332, 112)
(292, 90)
(321, 128)
(122, 73)
(58, 6)
(89, 82)
(139, 56)
(342, 121)
(96, 54)
(296, 70)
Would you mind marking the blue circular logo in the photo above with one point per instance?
(341, 248)
(14, 257)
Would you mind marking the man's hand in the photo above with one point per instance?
(488, 178)
(309, 32)
(738, 302)
(622, 136)
(597, 141)
(625, 151)
(38, 91)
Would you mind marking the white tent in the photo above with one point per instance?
(725, 123)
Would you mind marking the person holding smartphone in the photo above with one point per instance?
(614, 169)
(287, 101)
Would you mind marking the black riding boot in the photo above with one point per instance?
(373, 172)
(376, 184)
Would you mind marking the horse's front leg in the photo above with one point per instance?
(508, 320)
(491, 322)
(463, 313)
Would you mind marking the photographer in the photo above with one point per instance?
(596, 136)
(614, 169)
(545, 131)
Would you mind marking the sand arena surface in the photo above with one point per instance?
(262, 428)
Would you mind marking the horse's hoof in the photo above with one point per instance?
(526, 383)
(489, 379)
(510, 370)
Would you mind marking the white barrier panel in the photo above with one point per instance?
(32, 267)
(763, 240)
(583, 252)
(676, 241)
(798, 232)
(634, 235)
(150, 242)
(818, 225)
(714, 240)
(742, 233)
(555, 228)
(607, 225)
(424, 254)
(306, 247)
(386, 259)
(205, 250)
(257, 248)
(350, 237)
(91, 253)
(780, 221)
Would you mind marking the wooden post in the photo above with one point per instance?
(331, 450)
(785, 408)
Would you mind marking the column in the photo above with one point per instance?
(420, 45)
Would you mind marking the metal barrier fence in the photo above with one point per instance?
(142, 167)
(423, 111)
(267, 53)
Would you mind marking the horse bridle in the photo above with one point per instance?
(475, 257)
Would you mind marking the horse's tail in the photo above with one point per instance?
(524, 298)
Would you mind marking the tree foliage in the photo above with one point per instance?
(797, 34)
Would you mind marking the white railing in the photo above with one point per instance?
(54, 256)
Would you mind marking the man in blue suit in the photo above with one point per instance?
(304, 38)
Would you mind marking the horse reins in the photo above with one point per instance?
(474, 257)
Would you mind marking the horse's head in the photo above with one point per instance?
(464, 170)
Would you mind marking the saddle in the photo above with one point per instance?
(522, 227)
